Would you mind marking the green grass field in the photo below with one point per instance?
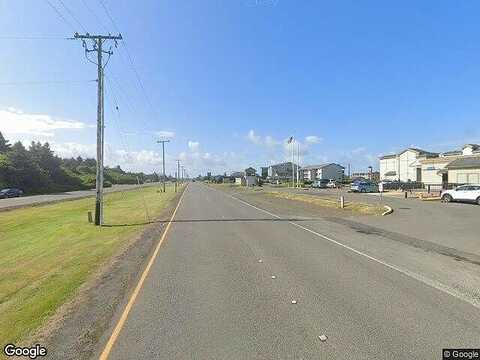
(48, 252)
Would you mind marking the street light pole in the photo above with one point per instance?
(163, 158)
(298, 163)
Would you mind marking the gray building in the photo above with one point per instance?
(323, 172)
(282, 171)
(264, 172)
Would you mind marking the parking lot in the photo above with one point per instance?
(452, 225)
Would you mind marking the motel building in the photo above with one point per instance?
(434, 169)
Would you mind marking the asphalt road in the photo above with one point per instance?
(48, 198)
(210, 294)
(453, 225)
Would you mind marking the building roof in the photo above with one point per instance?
(287, 163)
(420, 151)
(474, 146)
(452, 153)
(467, 162)
(313, 167)
(440, 159)
(389, 156)
(236, 174)
(417, 150)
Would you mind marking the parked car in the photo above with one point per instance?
(320, 184)
(364, 187)
(466, 193)
(10, 193)
(331, 184)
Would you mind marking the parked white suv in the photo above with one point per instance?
(467, 193)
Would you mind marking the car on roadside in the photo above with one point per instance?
(10, 193)
(320, 184)
(332, 184)
(463, 193)
(364, 187)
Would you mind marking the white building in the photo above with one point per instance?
(454, 167)
(404, 166)
(324, 171)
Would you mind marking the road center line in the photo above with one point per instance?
(432, 283)
(121, 322)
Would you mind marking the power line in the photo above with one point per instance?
(109, 16)
(130, 58)
(60, 15)
(34, 38)
(45, 82)
(85, 4)
(72, 15)
(125, 144)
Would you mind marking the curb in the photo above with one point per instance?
(388, 210)
(431, 199)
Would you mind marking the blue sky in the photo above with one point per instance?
(230, 80)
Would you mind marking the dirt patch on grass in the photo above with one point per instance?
(74, 331)
(359, 208)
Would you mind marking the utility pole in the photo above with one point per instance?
(163, 158)
(178, 173)
(98, 41)
(292, 147)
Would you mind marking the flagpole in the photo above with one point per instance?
(293, 166)
(298, 163)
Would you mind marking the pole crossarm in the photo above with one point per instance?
(97, 37)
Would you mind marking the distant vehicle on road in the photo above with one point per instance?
(10, 193)
(331, 184)
(465, 193)
(364, 187)
(320, 184)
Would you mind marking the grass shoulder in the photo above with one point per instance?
(48, 252)
(355, 207)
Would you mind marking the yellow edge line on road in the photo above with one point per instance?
(118, 328)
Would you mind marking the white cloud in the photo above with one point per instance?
(267, 141)
(271, 142)
(71, 149)
(193, 146)
(139, 160)
(165, 134)
(251, 136)
(359, 150)
(16, 122)
(312, 139)
(134, 159)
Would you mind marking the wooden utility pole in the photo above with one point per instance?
(163, 158)
(178, 173)
(98, 41)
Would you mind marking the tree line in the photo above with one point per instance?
(38, 170)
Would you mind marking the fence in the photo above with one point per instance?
(397, 185)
